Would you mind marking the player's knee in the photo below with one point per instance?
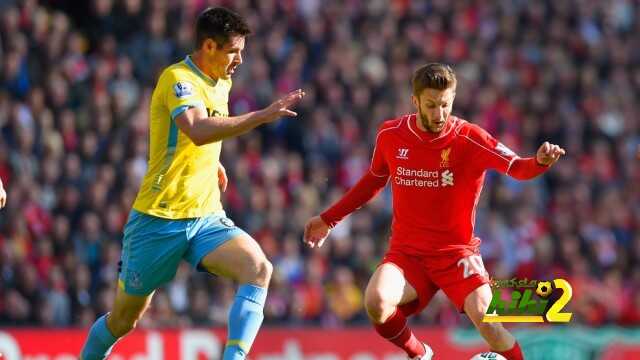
(265, 270)
(259, 273)
(379, 308)
(475, 314)
(476, 311)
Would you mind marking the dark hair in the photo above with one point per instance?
(433, 76)
(219, 24)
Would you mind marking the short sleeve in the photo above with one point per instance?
(488, 152)
(181, 93)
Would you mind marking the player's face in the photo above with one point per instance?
(225, 59)
(434, 107)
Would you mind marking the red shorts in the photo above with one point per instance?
(457, 276)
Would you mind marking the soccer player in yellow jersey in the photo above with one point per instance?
(177, 213)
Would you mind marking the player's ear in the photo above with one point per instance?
(210, 46)
(415, 102)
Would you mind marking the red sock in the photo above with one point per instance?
(395, 329)
(513, 354)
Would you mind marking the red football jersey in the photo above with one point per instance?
(436, 181)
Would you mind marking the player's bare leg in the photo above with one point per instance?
(126, 312)
(499, 339)
(387, 290)
(242, 260)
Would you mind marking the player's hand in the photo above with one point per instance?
(3, 197)
(549, 153)
(315, 232)
(280, 107)
(222, 178)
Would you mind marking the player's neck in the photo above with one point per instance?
(201, 64)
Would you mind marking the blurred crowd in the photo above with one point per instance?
(75, 82)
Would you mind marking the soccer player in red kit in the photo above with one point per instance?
(436, 164)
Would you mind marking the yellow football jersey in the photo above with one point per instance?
(182, 178)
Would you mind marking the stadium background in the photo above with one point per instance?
(76, 78)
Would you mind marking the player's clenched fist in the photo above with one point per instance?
(549, 153)
(315, 232)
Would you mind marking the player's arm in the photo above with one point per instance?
(203, 129)
(364, 190)
(489, 153)
(318, 227)
(528, 168)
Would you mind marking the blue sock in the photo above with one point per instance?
(99, 342)
(245, 318)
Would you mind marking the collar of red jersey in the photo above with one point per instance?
(428, 136)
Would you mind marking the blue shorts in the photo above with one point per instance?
(153, 247)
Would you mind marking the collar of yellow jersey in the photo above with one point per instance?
(196, 69)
